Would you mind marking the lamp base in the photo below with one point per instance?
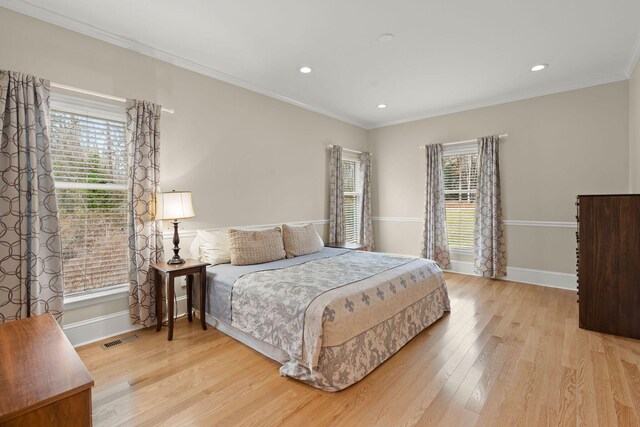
(176, 241)
(176, 260)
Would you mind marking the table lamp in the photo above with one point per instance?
(173, 206)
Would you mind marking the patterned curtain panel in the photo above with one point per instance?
(336, 196)
(145, 234)
(30, 249)
(435, 245)
(490, 258)
(366, 223)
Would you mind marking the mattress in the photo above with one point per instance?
(332, 317)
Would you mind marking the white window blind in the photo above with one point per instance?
(352, 197)
(460, 184)
(90, 173)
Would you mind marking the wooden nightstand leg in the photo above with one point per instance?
(170, 293)
(190, 297)
(203, 297)
(157, 280)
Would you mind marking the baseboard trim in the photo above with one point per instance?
(99, 328)
(550, 279)
(462, 267)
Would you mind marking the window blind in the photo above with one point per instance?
(352, 195)
(460, 184)
(90, 173)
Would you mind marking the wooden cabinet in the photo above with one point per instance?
(609, 264)
(43, 382)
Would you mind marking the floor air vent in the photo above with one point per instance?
(119, 341)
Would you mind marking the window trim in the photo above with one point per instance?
(459, 150)
(461, 251)
(76, 105)
(97, 296)
(103, 110)
(353, 157)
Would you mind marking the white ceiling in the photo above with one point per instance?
(446, 56)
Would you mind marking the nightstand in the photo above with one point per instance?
(347, 245)
(171, 271)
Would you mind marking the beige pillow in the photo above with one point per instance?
(214, 246)
(255, 247)
(301, 240)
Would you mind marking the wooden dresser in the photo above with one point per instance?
(43, 382)
(609, 264)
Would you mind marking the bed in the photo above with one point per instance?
(330, 318)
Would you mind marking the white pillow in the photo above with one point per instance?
(194, 249)
(214, 246)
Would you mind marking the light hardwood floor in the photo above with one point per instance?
(508, 354)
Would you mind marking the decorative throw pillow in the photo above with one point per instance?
(301, 240)
(214, 246)
(255, 247)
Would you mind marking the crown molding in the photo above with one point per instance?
(37, 12)
(54, 18)
(633, 60)
(489, 102)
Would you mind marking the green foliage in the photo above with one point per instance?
(99, 199)
(349, 176)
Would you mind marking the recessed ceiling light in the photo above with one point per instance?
(382, 106)
(305, 70)
(539, 67)
(385, 38)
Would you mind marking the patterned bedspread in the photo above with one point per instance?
(320, 310)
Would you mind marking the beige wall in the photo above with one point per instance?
(634, 130)
(248, 158)
(559, 146)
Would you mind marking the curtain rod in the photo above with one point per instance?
(98, 95)
(348, 150)
(468, 141)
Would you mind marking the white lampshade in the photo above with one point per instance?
(174, 205)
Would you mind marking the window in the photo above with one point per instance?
(352, 197)
(460, 184)
(89, 157)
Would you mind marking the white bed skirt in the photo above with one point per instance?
(272, 352)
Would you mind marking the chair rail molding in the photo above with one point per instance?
(514, 223)
(168, 234)
(553, 224)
